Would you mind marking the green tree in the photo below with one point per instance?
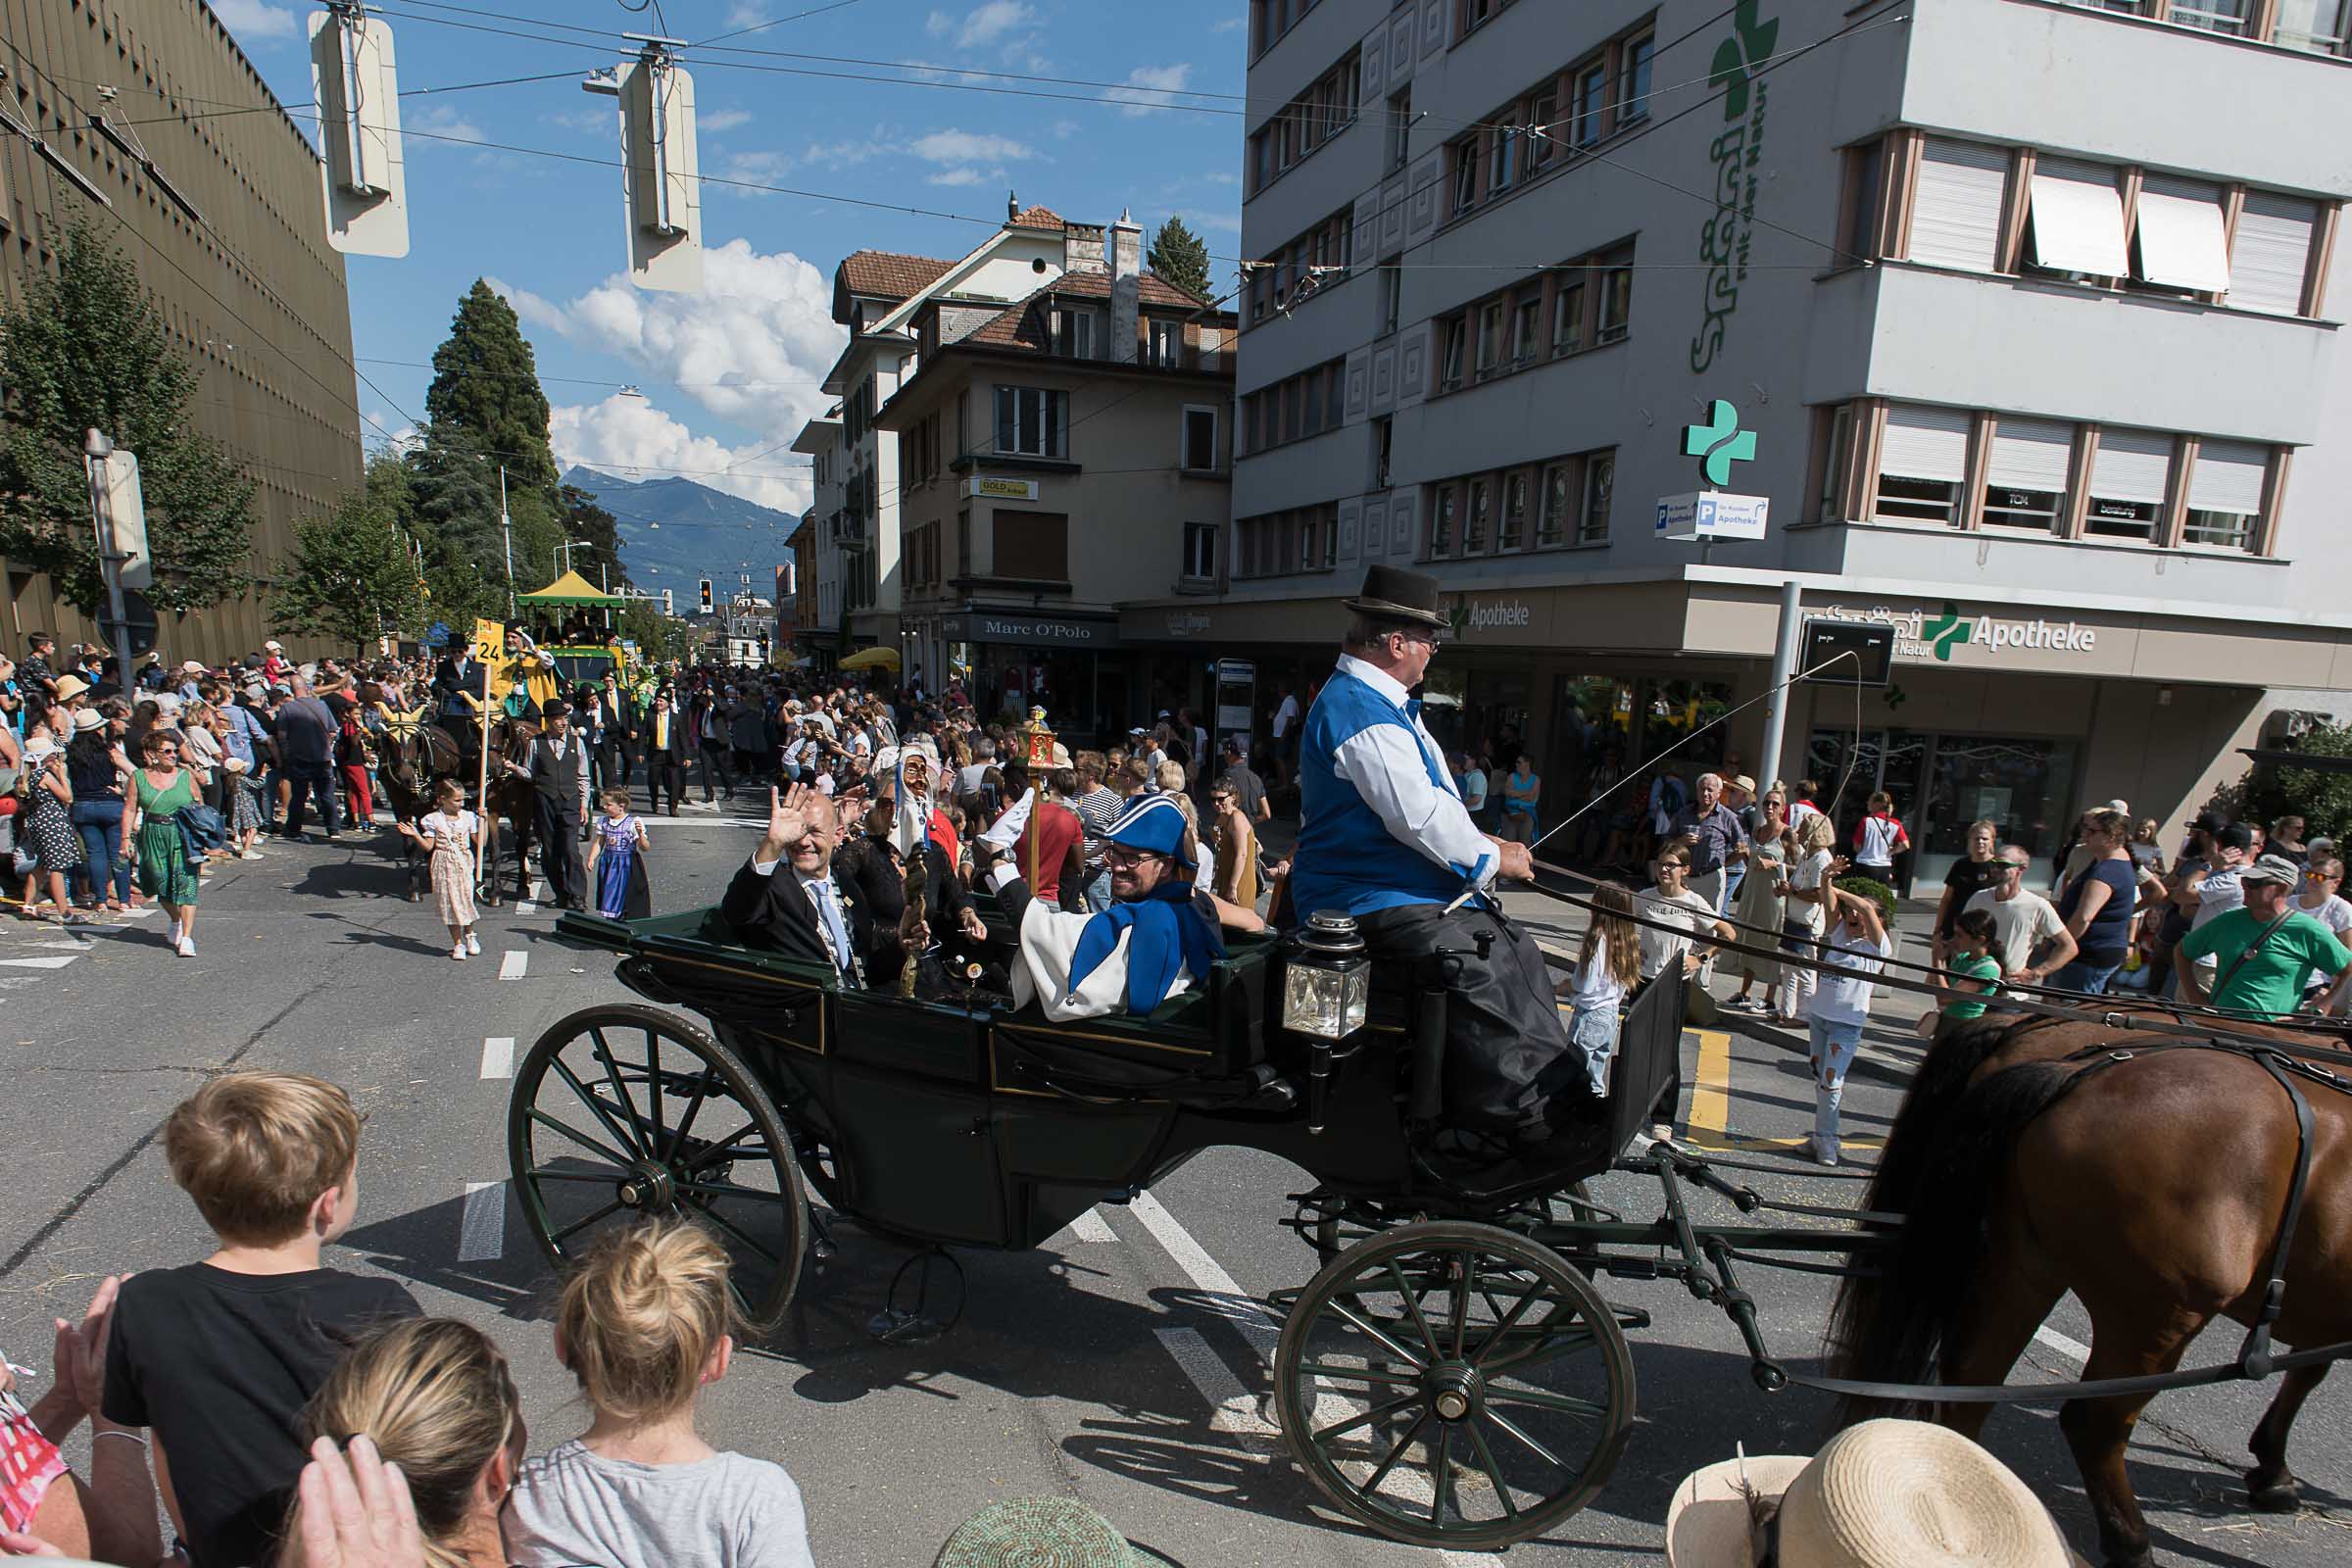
(2323, 799)
(486, 385)
(1181, 257)
(89, 350)
(351, 577)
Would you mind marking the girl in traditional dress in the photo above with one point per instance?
(446, 833)
(616, 860)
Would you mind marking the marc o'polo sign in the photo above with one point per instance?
(1043, 631)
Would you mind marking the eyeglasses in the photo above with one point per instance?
(1120, 855)
(2013, 866)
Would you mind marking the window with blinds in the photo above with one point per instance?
(2176, 237)
(1923, 463)
(2130, 476)
(2272, 254)
(1956, 205)
(2075, 218)
(2025, 475)
(2225, 495)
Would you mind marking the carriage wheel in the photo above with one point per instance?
(621, 1114)
(1454, 1385)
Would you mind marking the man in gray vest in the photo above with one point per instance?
(558, 768)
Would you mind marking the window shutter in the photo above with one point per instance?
(1956, 214)
(2274, 247)
(2029, 454)
(2228, 476)
(1924, 443)
(2132, 466)
(2078, 218)
(2181, 239)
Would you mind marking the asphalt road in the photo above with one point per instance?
(1121, 1363)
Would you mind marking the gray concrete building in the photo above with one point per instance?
(2041, 368)
(150, 121)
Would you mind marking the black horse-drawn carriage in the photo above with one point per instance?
(1449, 1377)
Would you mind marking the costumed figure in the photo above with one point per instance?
(1385, 838)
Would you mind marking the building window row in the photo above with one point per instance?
(922, 557)
(1033, 422)
(1294, 408)
(1980, 208)
(1305, 123)
(1279, 543)
(1579, 305)
(1535, 506)
(2316, 27)
(920, 455)
(1329, 243)
(1604, 92)
(1966, 469)
(1270, 20)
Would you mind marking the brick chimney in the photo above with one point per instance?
(1081, 248)
(1126, 275)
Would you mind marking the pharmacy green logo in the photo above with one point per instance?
(1719, 443)
(1947, 631)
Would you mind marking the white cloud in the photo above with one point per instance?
(1229, 25)
(534, 310)
(1227, 222)
(443, 122)
(966, 176)
(586, 121)
(1064, 130)
(248, 19)
(722, 120)
(1158, 83)
(967, 147)
(983, 25)
(630, 437)
(748, 15)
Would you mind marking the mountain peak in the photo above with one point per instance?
(674, 532)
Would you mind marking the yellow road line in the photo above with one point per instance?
(1711, 1101)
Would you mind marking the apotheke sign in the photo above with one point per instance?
(1511, 614)
(1921, 636)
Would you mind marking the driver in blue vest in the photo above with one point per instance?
(1386, 839)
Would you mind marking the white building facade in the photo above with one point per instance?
(2043, 372)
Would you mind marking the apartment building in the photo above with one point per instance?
(2038, 369)
(816, 544)
(150, 121)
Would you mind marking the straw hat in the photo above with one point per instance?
(1059, 1531)
(70, 687)
(87, 719)
(1879, 1494)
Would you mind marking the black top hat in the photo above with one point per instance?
(1392, 592)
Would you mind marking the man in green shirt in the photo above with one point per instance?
(2264, 950)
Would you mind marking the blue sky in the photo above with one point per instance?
(729, 376)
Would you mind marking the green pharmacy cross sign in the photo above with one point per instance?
(1719, 442)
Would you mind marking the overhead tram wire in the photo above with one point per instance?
(778, 22)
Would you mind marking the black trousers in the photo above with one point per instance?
(716, 760)
(558, 823)
(662, 772)
(1506, 1051)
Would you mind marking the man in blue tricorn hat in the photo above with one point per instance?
(1384, 837)
(1157, 940)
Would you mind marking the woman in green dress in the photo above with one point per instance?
(161, 787)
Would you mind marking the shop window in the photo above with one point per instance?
(1031, 421)
(1199, 552)
(1032, 546)
(2026, 475)
(2225, 495)
(1477, 516)
(1199, 439)
(2130, 474)
(1601, 479)
(1923, 461)
(1558, 506)
(1513, 534)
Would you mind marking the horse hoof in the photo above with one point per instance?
(2274, 1496)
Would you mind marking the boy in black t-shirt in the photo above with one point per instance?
(219, 1357)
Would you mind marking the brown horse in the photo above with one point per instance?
(2153, 1190)
(510, 800)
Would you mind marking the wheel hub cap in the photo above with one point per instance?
(647, 1187)
(1456, 1391)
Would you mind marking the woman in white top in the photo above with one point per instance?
(2317, 896)
(1608, 967)
(1804, 894)
(1672, 902)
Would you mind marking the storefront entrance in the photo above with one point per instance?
(1943, 783)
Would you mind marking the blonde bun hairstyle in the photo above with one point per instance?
(642, 1316)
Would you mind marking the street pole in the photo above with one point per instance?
(507, 527)
(604, 580)
(1784, 663)
(96, 448)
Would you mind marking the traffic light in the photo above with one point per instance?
(706, 595)
(667, 608)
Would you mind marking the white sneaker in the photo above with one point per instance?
(253, 855)
(473, 945)
(187, 947)
(458, 952)
(1661, 1133)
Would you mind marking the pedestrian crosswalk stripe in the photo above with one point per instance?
(58, 962)
(1091, 1228)
(482, 1232)
(525, 907)
(498, 1056)
(512, 964)
(1247, 1316)
(1234, 1408)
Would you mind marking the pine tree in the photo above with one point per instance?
(1181, 257)
(87, 351)
(486, 385)
(351, 577)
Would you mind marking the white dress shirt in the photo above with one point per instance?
(1392, 777)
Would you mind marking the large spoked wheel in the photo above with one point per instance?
(622, 1113)
(1454, 1385)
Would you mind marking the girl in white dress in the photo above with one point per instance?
(446, 833)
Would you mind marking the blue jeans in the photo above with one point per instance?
(1098, 891)
(101, 873)
(1831, 1052)
(1594, 1031)
(2088, 978)
(305, 780)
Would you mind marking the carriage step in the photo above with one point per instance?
(1630, 1317)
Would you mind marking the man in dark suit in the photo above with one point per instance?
(665, 740)
(785, 897)
(557, 768)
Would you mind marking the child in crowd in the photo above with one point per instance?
(219, 1357)
(643, 1325)
(446, 833)
(1971, 967)
(1878, 838)
(1840, 1006)
(616, 861)
(1606, 970)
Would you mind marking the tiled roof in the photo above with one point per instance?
(1014, 326)
(1154, 289)
(1036, 218)
(1020, 327)
(889, 274)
